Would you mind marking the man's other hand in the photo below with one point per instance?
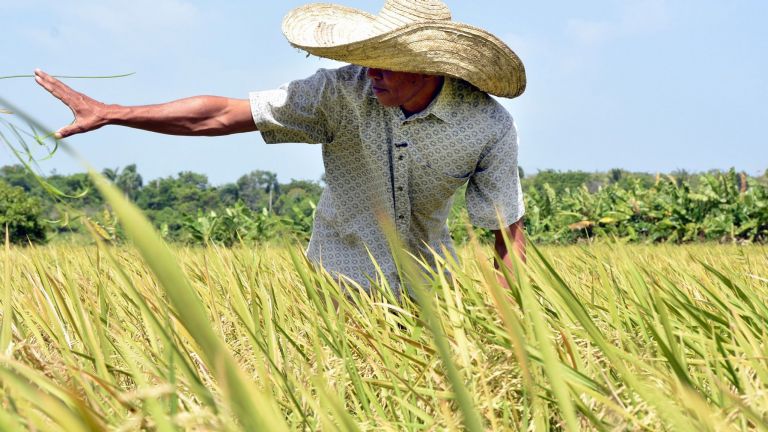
(516, 236)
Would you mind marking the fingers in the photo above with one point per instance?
(57, 88)
(47, 82)
(43, 80)
(81, 105)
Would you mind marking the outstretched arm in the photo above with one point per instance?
(195, 116)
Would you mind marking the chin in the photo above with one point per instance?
(387, 102)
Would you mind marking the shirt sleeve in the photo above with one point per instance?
(297, 112)
(494, 195)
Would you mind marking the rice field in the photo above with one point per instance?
(585, 338)
(606, 337)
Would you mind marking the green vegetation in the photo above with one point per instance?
(564, 208)
(560, 207)
(186, 208)
(20, 215)
(723, 207)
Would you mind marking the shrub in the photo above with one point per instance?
(21, 214)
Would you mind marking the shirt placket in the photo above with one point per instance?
(400, 166)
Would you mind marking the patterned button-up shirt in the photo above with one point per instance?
(378, 163)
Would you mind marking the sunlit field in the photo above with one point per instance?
(602, 337)
(585, 338)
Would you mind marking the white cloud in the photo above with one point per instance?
(146, 26)
(645, 16)
(135, 17)
(587, 36)
(635, 17)
(589, 33)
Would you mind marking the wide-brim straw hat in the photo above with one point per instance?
(408, 36)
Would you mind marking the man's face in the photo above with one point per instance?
(397, 88)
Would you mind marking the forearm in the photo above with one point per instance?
(195, 116)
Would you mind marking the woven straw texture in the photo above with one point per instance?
(408, 36)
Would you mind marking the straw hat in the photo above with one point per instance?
(408, 36)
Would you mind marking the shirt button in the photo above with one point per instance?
(401, 157)
(400, 188)
(401, 217)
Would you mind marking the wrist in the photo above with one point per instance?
(113, 114)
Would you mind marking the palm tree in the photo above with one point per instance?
(111, 174)
(130, 181)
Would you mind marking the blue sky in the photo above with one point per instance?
(647, 85)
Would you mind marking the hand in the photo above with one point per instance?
(502, 281)
(89, 113)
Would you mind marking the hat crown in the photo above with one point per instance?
(398, 13)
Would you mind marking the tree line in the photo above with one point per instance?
(561, 207)
(185, 207)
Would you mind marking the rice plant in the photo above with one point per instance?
(601, 338)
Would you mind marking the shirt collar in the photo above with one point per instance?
(443, 107)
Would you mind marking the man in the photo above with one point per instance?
(396, 145)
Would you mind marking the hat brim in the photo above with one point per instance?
(430, 47)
